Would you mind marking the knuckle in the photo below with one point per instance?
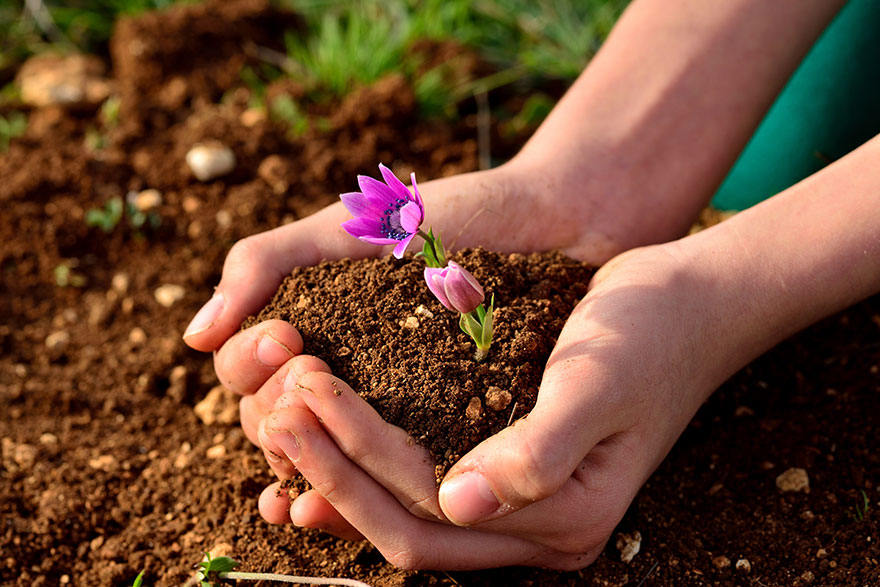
(536, 481)
(422, 508)
(327, 488)
(244, 253)
(408, 558)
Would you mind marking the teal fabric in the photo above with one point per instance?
(830, 106)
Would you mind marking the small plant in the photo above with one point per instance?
(107, 218)
(109, 112)
(860, 509)
(212, 571)
(284, 109)
(388, 214)
(11, 126)
(65, 276)
(139, 580)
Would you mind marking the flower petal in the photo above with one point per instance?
(379, 194)
(378, 241)
(463, 290)
(410, 217)
(395, 184)
(363, 226)
(401, 246)
(417, 196)
(358, 204)
(434, 277)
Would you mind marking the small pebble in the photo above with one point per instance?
(137, 336)
(721, 562)
(148, 200)
(210, 161)
(793, 479)
(821, 553)
(219, 406)
(218, 451)
(497, 398)
(629, 545)
(474, 409)
(120, 283)
(48, 439)
(423, 311)
(104, 463)
(57, 341)
(167, 295)
(223, 218)
(743, 565)
(411, 322)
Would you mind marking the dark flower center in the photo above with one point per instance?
(391, 226)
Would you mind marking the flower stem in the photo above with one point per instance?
(291, 579)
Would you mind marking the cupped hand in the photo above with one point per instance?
(470, 209)
(632, 365)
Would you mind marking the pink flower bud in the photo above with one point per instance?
(455, 287)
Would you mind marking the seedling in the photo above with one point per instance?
(65, 276)
(139, 580)
(108, 217)
(284, 109)
(109, 113)
(214, 571)
(10, 127)
(860, 510)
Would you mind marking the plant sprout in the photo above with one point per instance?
(108, 218)
(214, 569)
(10, 127)
(388, 214)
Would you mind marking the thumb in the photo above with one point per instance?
(255, 267)
(534, 458)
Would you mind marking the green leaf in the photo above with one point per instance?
(221, 564)
(139, 580)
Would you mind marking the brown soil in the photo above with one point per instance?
(378, 327)
(106, 469)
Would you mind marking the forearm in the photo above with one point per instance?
(664, 109)
(795, 258)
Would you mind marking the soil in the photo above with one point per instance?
(107, 469)
(379, 328)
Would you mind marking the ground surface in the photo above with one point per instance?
(106, 468)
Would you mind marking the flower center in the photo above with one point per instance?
(391, 226)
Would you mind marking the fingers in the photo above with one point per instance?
(308, 510)
(406, 541)
(251, 357)
(532, 460)
(385, 452)
(255, 408)
(311, 510)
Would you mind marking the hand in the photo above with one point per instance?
(632, 365)
(470, 209)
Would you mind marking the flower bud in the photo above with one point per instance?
(455, 287)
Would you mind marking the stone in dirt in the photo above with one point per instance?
(219, 407)
(169, 294)
(793, 479)
(743, 565)
(629, 545)
(68, 80)
(210, 160)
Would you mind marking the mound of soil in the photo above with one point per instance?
(106, 469)
(379, 328)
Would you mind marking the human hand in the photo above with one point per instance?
(635, 360)
(483, 206)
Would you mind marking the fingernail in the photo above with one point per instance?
(272, 353)
(468, 498)
(287, 442)
(270, 450)
(207, 316)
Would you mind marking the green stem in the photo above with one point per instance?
(291, 579)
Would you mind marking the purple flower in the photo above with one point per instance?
(384, 213)
(455, 287)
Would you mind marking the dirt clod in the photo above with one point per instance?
(794, 479)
